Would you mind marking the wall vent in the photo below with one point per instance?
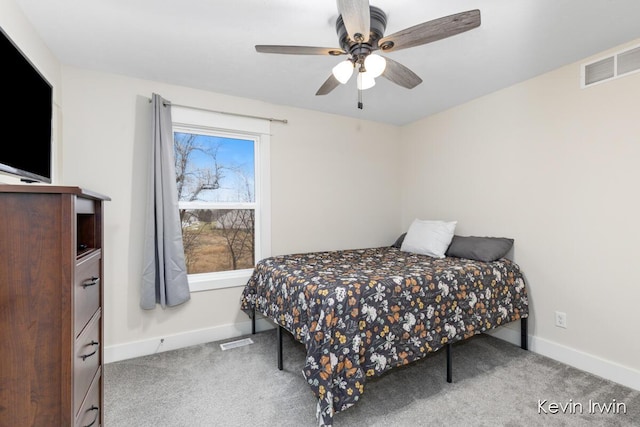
(617, 65)
(629, 61)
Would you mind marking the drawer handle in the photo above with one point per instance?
(91, 282)
(93, 408)
(84, 356)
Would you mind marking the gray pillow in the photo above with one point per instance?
(485, 249)
(398, 243)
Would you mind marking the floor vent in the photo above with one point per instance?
(236, 344)
(617, 65)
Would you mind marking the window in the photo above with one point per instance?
(221, 165)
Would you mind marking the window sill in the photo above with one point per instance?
(214, 281)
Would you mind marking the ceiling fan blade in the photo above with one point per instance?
(400, 75)
(356, 17)
(431, 31)
(330, 84)
(300, 50)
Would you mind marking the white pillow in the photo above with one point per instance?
(429, 237)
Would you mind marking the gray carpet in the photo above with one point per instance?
(494, 384)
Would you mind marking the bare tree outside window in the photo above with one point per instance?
(215, 178)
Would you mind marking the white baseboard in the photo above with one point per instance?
(572, 357)
(595, 365)
(163, 343)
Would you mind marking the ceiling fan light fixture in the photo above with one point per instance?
(365, 80)
(375, 64)
(343, 71)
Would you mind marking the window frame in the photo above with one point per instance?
(194, 120)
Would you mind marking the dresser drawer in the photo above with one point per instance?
(86, 291)
(87, 360)
(90, 412)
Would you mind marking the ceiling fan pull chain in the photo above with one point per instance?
(360, 105)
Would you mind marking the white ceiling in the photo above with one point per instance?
(209, 44)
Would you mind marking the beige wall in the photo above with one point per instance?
(334, 184)
(557, 168)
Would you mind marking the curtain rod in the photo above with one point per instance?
(271, 119)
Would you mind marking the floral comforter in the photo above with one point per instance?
(362, 312)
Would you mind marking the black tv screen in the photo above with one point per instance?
(26, 118)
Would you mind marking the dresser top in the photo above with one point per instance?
(51, 189)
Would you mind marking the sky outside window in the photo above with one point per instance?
(233, 158)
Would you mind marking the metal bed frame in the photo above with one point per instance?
(524, 331)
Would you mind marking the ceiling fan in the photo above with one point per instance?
(360, 29)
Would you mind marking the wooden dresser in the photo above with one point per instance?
(51, 316)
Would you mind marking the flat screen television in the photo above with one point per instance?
(26, 117)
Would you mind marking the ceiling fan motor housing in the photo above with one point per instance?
(357, 49)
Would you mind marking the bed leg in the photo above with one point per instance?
(253, 321)
(449, 369)
(524, 333)
(280, 347)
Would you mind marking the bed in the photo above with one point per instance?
(362, 312)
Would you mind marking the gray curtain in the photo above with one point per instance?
(164, 276)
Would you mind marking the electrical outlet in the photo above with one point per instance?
(561, 319)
